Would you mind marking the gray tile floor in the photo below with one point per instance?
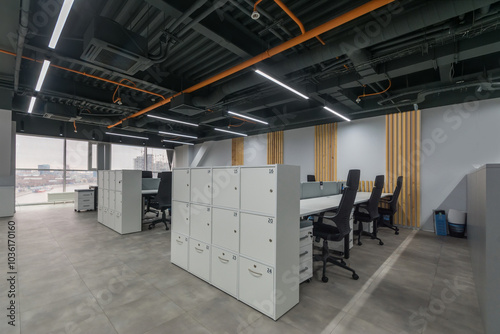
(77, 276)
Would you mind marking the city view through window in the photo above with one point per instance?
(54, 165)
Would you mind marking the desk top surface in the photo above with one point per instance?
(310, 206)
(150, 192)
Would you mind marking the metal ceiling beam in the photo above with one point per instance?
(201, 29)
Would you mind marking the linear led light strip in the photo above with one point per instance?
(172, 120)
(232, 132)
(32, 104)
(61, 20)
(247, 117)
(336, 113)
(176, 134)
(280, 83)
(122, 135)
(176, 142)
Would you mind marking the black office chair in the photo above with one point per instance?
(147, 174)
(163, 200)
(370, 211)
(311, 178)
(340, 231)
(393, 207)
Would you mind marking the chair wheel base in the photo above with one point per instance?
(343, 262)
(355, 277)
(381, 243)
(150, 227)
(396, 233)
(359, 243)
(324, 279)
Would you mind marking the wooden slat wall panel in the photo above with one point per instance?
(403, 159)
(275, 147)
(325, 152)
(237, 157)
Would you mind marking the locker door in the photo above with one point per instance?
(179, 250)
(201, 223)
(258, 190)
(258, 237)
(180, 217)
(226, 187)
(256, 285)
(201, 185)
(226, 229)
(181, 179)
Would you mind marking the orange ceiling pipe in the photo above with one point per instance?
(336, 22)
(88, 75)
(295, 18)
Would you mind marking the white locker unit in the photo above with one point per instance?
(238, 229)
(119, 200)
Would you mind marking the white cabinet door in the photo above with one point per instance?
(105, 198)
(111, 203)
(181, 185)
(112, 180)
(119, 180)
(105, 178)
(226, 187)
(180, 217)
(225, 270)
(258, 239)
(118, 201)
(226, 229)
(179, 250)
(201, 223)
(100, 179)
(256, 285)
(199, 259)
(258, 190)
(201, 185)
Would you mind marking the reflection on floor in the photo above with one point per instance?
(76, 275)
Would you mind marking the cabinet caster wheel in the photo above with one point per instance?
(324, 279)
(381, 243)
(308, 280)
(359, 243)
(355, 277)
(166, 228)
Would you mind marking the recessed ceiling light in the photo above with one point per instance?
(176, 142)
(232, 132)
(61, 20)
(247, 117)
(336, 113)
(122, 135)
(280, 83)
(172, 120)
(176, 134)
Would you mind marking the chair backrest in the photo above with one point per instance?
(164, 196)
(375, 196)
(147, 174)
(311, 178)
(393, 204)
(341, 219)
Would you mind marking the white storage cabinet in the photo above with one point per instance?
(84, 199)
(120, 200)
(238, 229)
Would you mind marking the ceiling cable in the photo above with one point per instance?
(373, 94)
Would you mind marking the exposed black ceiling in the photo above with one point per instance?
(406, 54)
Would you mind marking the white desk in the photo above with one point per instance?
(310, 206)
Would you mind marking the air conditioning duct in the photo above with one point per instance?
(106, 43)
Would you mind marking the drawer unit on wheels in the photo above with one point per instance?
(179, 250)
(225, 270)
(306, 253)
(84, 199)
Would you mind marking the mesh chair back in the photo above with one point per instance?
(393, 204)
(375, 196)
(341, 219)
(164, 196)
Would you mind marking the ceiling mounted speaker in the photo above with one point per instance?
(255, 15)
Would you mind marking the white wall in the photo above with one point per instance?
(455, 140)
(219, 154)
(298, 150)
(183, 156)
(255, 150)
(361, 145)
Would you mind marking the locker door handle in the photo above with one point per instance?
(223, 260)
(306, 252)
(179, 242)
(300, 272)
(256, 274)
(199, 250)
(304, 237)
